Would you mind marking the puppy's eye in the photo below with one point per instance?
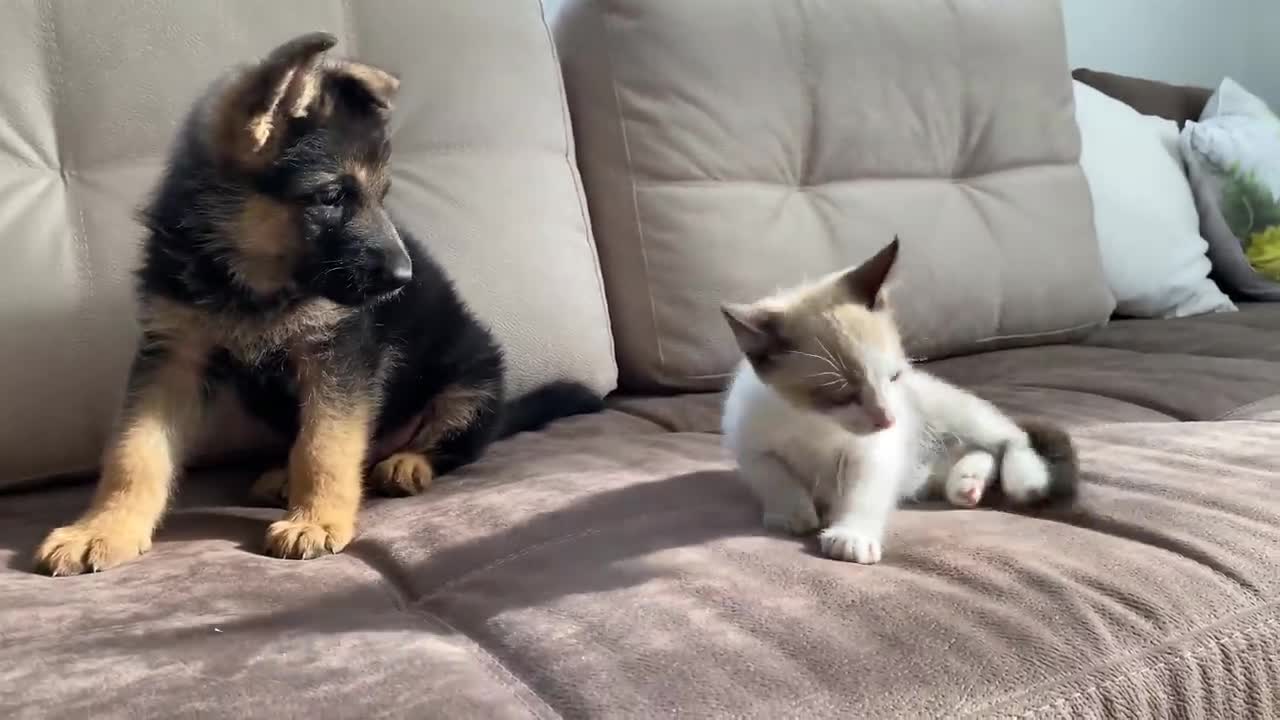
(330, 196)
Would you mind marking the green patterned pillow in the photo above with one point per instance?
(1233, 156)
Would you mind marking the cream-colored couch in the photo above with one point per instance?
(595, 207)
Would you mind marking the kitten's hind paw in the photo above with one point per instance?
(841, 542)
(968, 479)
(1045, 470)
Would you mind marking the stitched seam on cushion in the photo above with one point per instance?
(549, 543)
(635, 196)
(1086, 393)
(990, 234)
(496, 669)
(508, 558)
(62, 153)
(963, 180)
(1116, 397)
(1043, 333)
(981, 341)
(1246, 408)
(1136, 655)
(83, 256)
(401, 598)
(570, 160)
(419, 606)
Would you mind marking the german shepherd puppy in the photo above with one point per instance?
(271, 267)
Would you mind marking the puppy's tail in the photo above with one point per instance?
(1054, 446)
(549, 402)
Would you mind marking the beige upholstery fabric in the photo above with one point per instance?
(613, 566)
(732, 146)
(90, 97)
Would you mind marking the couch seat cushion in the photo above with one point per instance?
(1209, 367)
(612, 565)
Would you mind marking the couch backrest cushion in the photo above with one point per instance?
(730, 147)
(90, 98)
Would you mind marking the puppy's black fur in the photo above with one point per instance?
(272, 267)
(403, 342)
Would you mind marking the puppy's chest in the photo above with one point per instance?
(253, 339)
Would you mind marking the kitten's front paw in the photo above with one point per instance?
(1024, 476)
(798, 521)
(968, 479)
(841, 542)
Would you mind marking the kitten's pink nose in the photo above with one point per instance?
(883, 421)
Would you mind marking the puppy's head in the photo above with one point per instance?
(304, 140)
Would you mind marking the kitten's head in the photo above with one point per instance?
(830, 346)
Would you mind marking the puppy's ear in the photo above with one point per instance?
(256, 108)
(366, 85)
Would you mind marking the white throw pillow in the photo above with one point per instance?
(1233, 155)
(1146, 218)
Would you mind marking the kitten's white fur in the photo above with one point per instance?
(944, 441)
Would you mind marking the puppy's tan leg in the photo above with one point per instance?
(451, 412)
(325, 467)
(404, 473)
(162, 410)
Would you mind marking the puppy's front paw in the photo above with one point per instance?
(402, 474)
(968, 479)
(842, 542)
(801, 520)
(91, 546)
(298, 539)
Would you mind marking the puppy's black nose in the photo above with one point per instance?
(392, 272)
(399, 272)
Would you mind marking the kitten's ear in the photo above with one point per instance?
(881, 302)
(865, 284)
(754, 328)
(254, 111)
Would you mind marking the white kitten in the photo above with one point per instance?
(827, 414)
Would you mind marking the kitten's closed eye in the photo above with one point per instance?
(895, 377)
(832, 399)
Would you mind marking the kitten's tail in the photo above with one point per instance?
(1054, 446)
(549, 402)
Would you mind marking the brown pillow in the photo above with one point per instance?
(1179, 103)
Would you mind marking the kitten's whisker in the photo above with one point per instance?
(831, 358)
(815, 357)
